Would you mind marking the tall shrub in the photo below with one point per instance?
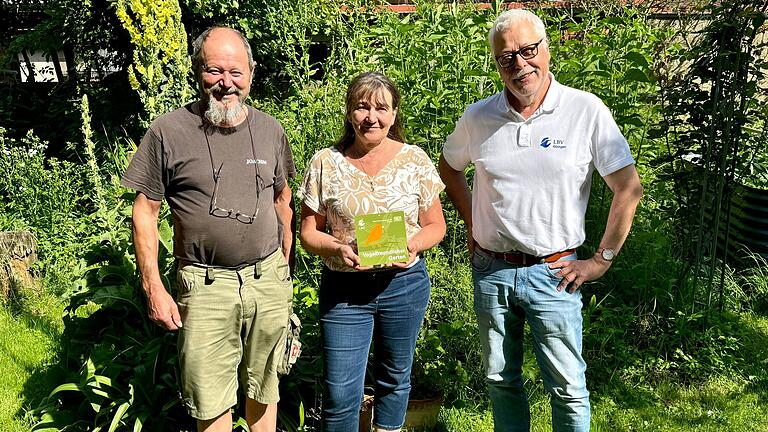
(161, 66)
(97, 52)
(714, 112)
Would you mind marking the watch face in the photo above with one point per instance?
(608, 254)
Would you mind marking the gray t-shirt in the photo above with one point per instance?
(251, 162)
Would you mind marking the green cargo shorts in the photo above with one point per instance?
(234, 325)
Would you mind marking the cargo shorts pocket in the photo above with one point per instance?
(283, 270)
(187, 282)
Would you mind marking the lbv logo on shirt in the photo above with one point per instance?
(255, 161)
(546, 142)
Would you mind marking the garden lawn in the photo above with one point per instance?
(28, 347)
(729, 402)
(720, 405)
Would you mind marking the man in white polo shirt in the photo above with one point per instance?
(534, 147)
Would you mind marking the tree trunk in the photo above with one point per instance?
(18, 250)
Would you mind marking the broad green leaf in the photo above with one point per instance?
(45, 428)
(633, 120)
(170, 404)
(138, 424)
(101, 379)
(98, 392)
(242, 423)
(592, 66)
(166, 235)
(118, 416)
(65, 387)
(636, 58)
(636, 75)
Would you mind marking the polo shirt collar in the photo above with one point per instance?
(550, 103)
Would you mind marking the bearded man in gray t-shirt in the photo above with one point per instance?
(222, 166)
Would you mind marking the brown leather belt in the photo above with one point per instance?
(524, 259)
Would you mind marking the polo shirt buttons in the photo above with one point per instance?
(524, 135)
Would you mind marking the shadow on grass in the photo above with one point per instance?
(755, 342)
(728, 399)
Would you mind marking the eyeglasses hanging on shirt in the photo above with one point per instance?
(214, 209)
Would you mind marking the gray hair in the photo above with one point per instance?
(197, 48)
(513, 17)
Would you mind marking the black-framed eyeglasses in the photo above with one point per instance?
(217, 211)
(509, 58)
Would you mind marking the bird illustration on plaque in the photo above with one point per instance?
(381, 238)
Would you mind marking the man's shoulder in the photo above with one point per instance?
(265, 120)
(183, 113)
(572, 95)
(173, 120)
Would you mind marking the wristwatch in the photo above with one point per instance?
(607, 254)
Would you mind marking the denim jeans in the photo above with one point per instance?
(505, 297)
(356, 308)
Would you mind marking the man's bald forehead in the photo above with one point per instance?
(197, 45)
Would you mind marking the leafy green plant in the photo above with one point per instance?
(97, 51)
(637, 325)
(436, 370)
(160, 63)
(46, 196)
(710, 109)
(126, 379)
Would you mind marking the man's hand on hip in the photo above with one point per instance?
(163, 309)
(575, 273)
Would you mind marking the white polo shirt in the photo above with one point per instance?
(533, 177)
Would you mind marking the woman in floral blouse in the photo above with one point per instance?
(369, 170)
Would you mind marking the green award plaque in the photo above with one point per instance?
(381, 238)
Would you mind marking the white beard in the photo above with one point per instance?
(220, 115)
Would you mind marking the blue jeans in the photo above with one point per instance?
(355, 308)
(505, 297)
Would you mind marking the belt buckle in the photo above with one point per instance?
(514, 258)
(521, 258)
(529, 260)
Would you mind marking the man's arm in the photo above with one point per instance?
(161, 307)
(627, 191)
(284, 209)
(458, 192)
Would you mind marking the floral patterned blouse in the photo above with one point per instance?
(338, 190)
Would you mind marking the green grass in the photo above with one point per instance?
(719, 405)
(733, 401)
(29, 336)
